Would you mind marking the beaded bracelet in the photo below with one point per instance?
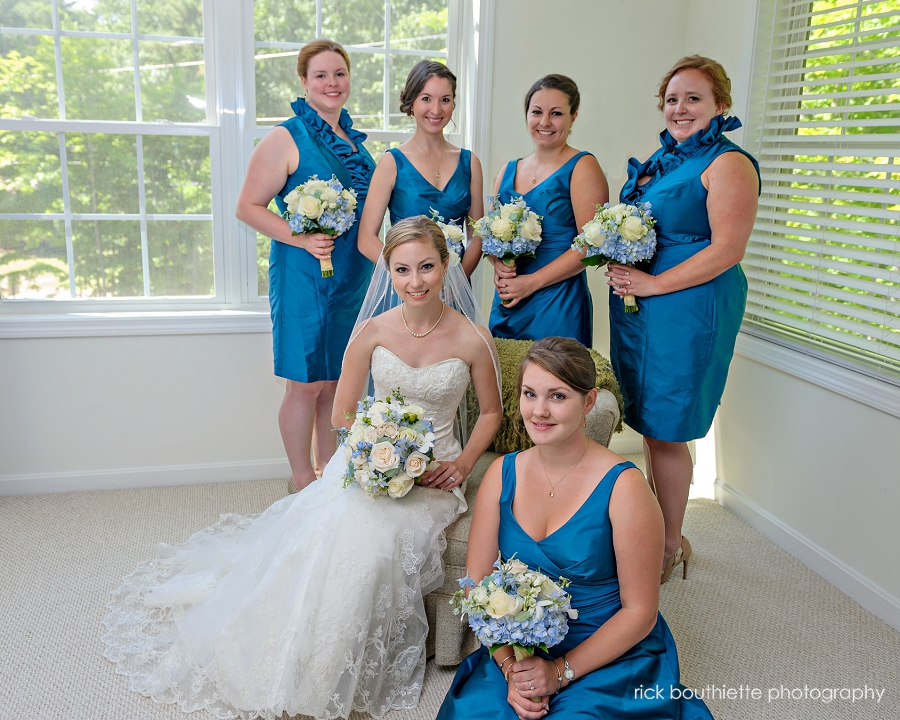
(506, 674)
(558, 677)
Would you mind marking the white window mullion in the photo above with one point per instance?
(142, 212)
(57, 52)
(136, 61)
(67, 209)
(387, 65)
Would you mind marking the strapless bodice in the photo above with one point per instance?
(437, 388)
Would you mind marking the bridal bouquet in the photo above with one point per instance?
(510, 231)
(388, 446)
(453, 234)
(516, 606)
(619, 234)
(321, 206)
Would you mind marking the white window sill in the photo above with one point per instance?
(879, 394)
(107, 324)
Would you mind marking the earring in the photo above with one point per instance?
(585, 420)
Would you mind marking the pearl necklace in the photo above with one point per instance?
(427, 332)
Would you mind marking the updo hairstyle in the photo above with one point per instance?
(565, 85)
(417, 78)
(712, 70)
(417, 228)
(311, 49)
(564, 358)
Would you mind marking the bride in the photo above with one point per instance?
(315, 606)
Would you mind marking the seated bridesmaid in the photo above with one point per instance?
(426, 172)
(571, 507)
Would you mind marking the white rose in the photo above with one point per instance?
(479, 595)
(507, 210)
(453, 258)
(292, 199)
(502, 604)
(399, 485)
(453, 232)
(383, 457)
(502, 228)
(390, 429)
(549, 587)
(362, 477)
(313, 185)
(378, 407)
(592, 232)
(370, 434)
(412, 410)
(416, 464)
(350, 197)
(329, 195)
(310, 207)
(531, 228)
(632, 228)
(355, 437)
(359, 462)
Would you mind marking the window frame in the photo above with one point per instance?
(879, 390)
(236, 305)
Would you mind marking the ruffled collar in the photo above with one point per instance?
(358, 163)
(672, 154)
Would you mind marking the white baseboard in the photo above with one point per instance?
(873, 598)
(198, 474)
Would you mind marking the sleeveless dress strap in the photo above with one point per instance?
(508, 491)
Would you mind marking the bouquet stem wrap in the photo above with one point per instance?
(327, 267)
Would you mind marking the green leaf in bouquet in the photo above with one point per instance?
(594, 260)
(522, 616)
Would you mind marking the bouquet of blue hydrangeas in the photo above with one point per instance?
(321, 206)
(453, 234)
(509, 231)
(388, 446)
(516, 606)
(620, 234)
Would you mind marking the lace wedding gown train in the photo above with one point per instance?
(313, 607)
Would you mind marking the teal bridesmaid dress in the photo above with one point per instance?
(638, 685)
(671, 357)
(414, 195)
(564, 308)
(312, 316)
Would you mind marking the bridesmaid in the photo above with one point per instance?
(312, 316)
(570, 507)
(672, 356)
(426, 172)
(548, 295)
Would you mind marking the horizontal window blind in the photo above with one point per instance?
(823, 262)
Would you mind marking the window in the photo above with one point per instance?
(125, 127)
(823, 263)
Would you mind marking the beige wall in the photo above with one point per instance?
(817, 472)
(119, 411)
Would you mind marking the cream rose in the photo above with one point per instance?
(292, 200)
(362, 477)
(329, 195)
(350, 198)
(502, 604)
(632, 228)
(549, 587)
(502, 228)
(399, 485)
(479, 595)
(592, 232)
(517, 567)
(453, 232)
(416, 464)
(453, 258)
(390, 429)
(413, 410)
(310, 207)
(383, 457)
(313, 185)
(406, 433)
(531, 228)
(370, 434)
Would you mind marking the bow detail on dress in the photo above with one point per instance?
(672, 154)
(359, 164)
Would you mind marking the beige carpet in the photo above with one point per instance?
(748, 615)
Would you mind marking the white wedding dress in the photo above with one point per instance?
(313, 607)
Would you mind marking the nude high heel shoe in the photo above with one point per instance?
(682, 555)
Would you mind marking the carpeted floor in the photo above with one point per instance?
(748, 617)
